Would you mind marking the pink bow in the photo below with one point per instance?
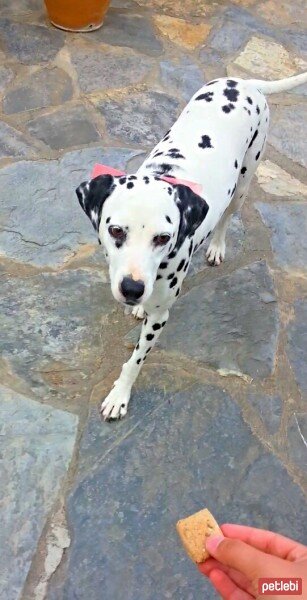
(104, 170)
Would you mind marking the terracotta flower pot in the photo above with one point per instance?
(77, 15)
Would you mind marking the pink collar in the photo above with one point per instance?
(104, 170)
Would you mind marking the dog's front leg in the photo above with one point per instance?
(116, 403)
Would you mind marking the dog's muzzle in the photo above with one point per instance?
(131, 290)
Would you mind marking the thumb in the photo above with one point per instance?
(246, 559)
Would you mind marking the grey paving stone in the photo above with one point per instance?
(234, 247)
(52, 330)
(132, 30)
(230, 37)
(36, 444)
(185, 78)
(142, 118)
(47, 228)
(295, 40)
(211, 58)
(297, 440)
(297, 343)
(65, 127)
(287, 222)
(20, 6)
(234, 324)
(30, 44)
(109, 69)
(237, 27)
(192, 450)
(13, 143)
(289, 131)
(47, 87)
(269, 409)
(6, 76)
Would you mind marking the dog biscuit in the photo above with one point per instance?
(193, 532)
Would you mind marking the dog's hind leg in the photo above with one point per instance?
(217, 247)
(116, 403)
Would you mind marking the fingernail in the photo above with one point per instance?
(213, 542)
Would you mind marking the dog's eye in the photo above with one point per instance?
(116, 232)
(162, 239)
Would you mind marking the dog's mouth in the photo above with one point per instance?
(130, 303)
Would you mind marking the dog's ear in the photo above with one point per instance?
(193, 210)
(92, 194)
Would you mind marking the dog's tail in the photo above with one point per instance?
(281, 85)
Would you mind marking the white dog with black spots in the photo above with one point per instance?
(150, 228)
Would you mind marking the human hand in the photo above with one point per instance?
(247, 554)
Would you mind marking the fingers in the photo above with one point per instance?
(267, 541)
(238, 555)
(226, 587)
(238, 578)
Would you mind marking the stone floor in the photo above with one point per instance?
(218, 416)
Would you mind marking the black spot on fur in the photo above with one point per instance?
(227, 108)
(207, 96)
(236, 164)
(148, 349)
(131, 177)
(108, 220)
(186, 267)
(231, 83)
(162, 324)
(137, 346)
(172, 254)
(228, 192)
(173, 282)
(205, 142)
(118, 244)
(247, 110)
(211, 82)
(253, 138)
(181, 265)
(156, 326)
(168, 219)
(178, 291)
(122, 180)
(257, 110)
(174, 153)
(150, 336)
(234, 189)
(171, 275)
(231, 94)
(130, 185)
(146, 179)
(163, 169)
(243, 170)
(138, 361)
(163, 265)
(209, 234)
(158, 277)
(249, 100)
(191, 248)
(257, 155)
(170, 191)
(156, 154)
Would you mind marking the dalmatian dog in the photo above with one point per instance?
(152, 222)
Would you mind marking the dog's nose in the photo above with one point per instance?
(132, 290)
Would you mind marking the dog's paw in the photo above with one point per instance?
(138, 312)
(216, 253)
(116, 403)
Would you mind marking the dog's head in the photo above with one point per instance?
(140, 221)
